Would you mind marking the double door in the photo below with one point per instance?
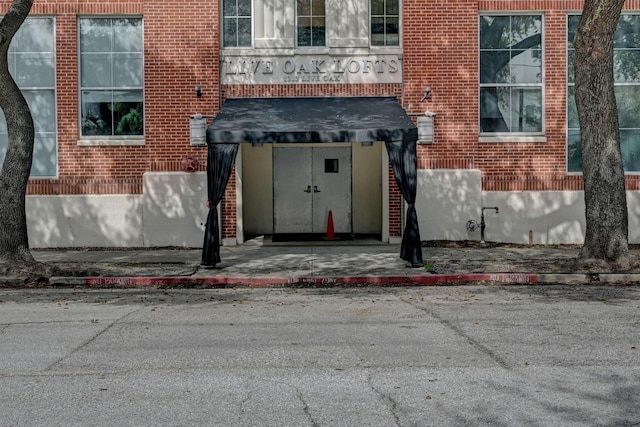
(308, 183)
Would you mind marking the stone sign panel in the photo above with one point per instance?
(310, 69)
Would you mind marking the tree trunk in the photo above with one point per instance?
(606, 235)
(14, 243)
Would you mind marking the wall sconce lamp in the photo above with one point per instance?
(199, 91)
(427, 93)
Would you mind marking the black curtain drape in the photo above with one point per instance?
(220, 161)
(404, 161)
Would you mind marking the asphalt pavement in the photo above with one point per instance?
(262, 263)
(472, 355)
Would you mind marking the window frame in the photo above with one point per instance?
(12, 55)
(384, 16)
(570, 85)
(236, 17)
(514, 136)
(311, 16)
(113, 139)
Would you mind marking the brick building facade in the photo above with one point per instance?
(118, 184)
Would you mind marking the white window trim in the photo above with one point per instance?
(103, 140)
(517, 136)
(53, 88)
(511, 138)
(253, 23)
(390, 48)
(311, 49)
(110, 142)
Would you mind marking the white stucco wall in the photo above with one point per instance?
(174, 210)
(446, 199)
(553, 216)
(84, 221)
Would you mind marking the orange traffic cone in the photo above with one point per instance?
(330, 233)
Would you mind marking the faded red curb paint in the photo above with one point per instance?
(434, 279)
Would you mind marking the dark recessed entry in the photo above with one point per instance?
(330, 165)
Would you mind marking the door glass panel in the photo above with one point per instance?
(330, 165)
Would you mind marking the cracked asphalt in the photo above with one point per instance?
(428, 356)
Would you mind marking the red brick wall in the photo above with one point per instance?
(440, 44)
(441, 51)
(181, 40)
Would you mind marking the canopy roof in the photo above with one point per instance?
(327, 119)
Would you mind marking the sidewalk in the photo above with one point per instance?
(261, 264)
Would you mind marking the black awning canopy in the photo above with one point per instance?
(311, 120)
(271, 120)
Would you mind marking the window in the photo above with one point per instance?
(111, 77)
(32, 64)
(511, 80)
(626, 70)
(385, 23)
(311, 23)
(236, 22)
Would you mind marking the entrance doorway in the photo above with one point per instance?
(308, 182)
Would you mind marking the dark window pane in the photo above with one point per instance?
(572, 26)
(526, 110)
(494, 106)
(304, 31)
(626, 66)
(3, 123)
(377, 7)
(627, 35)
(392, 7)
(570, 63)
(572, 111)
(494, 67)
(244, 7)
(230, 32)
(127, 117)
(318, 32)
(304, 36)
(244, 32)
(377, 32)
(317, 7)
(97, 118)
(377, 26)
(230, 8)
(494, 32)
(630, 147)
(304, 7)
(628, 102)
(4, 142)
(525, 27)
(574, 151)
(393, 26)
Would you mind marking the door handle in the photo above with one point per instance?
(315, 189)
(308, 190)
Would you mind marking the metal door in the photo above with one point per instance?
(308, 182)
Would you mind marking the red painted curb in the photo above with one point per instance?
(518, 278)
(433, 279)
